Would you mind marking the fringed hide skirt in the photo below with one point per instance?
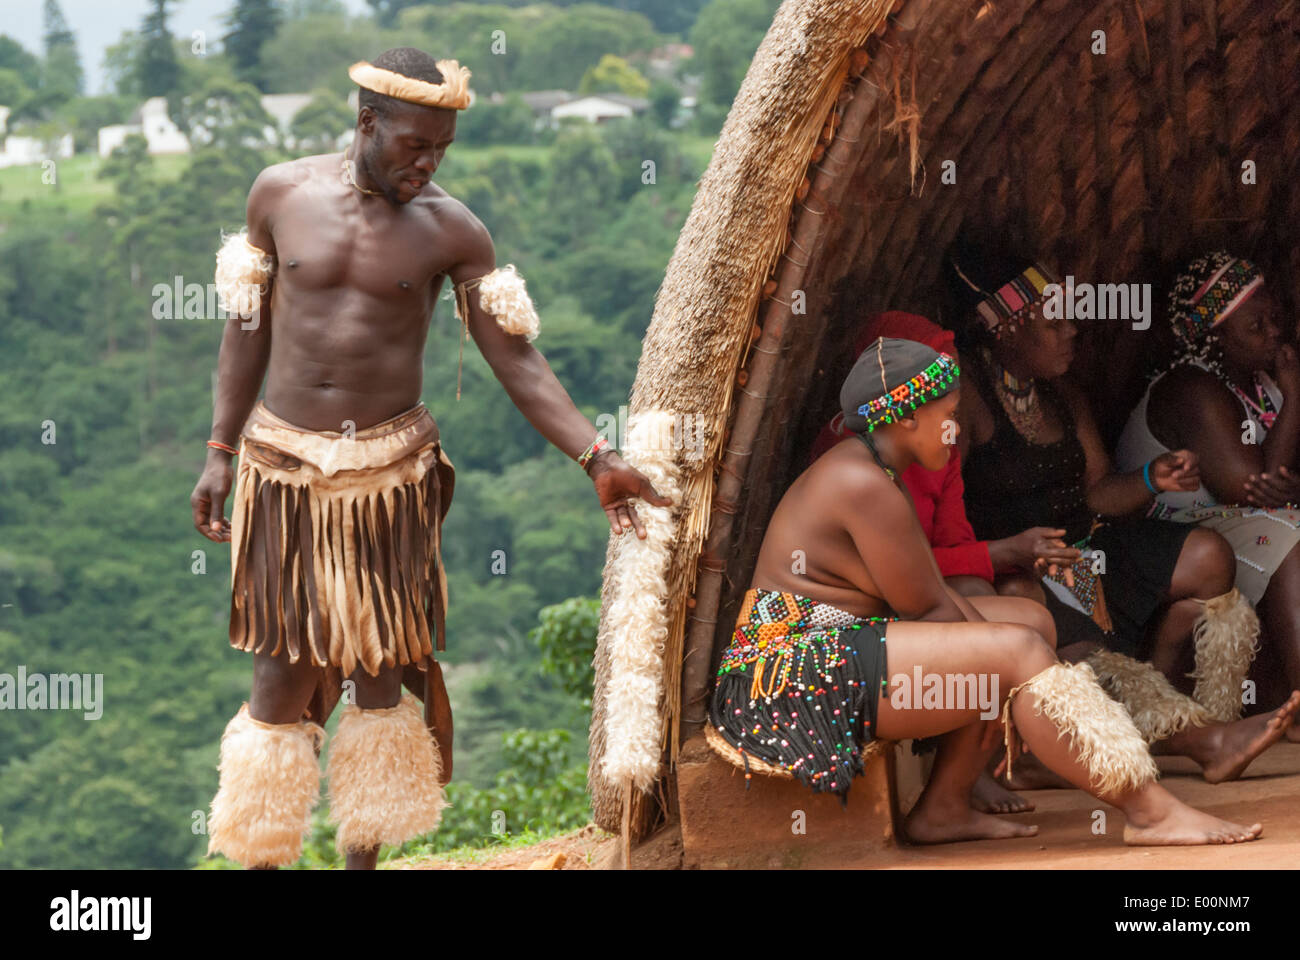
(336, 542)
(800, 685)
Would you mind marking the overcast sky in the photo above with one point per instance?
(99, 23)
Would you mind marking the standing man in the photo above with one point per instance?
(342, 483)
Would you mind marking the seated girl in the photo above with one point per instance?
(1230, 394)
(847, 603)
(968, 565)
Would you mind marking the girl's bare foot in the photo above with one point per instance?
(989, 796)
(940, 821)
(1230, 749)
(1158, 818)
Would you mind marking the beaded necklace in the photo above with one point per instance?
(890, 472)
(1022, 395)
(1262, 406)
(1019, 401)
(1208, 355)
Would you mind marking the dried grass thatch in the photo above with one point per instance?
(827, 180)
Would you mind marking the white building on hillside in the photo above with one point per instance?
(18, 151)
(152, 121)
(283, 107)
(600, 107)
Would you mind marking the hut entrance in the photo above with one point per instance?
(1111, 140)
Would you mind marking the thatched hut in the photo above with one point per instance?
(1111, 138)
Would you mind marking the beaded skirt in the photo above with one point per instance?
(799, 687)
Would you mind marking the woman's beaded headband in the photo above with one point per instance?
(1011, 303)
(1008, 306)
(930, 383)
(1208, 291)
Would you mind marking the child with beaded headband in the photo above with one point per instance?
(888, 383)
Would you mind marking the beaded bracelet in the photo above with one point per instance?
(1146, 477)
(221, 446)
(589, 454)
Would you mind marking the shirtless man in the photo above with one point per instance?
(361, 245)
(867, 558)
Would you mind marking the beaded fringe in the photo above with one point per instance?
(816, 719)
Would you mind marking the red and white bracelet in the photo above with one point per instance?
(590, 453)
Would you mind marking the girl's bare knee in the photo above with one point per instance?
(1024, 651)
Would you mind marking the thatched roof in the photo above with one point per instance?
(826, 179)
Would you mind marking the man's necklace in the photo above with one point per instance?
(350, 178)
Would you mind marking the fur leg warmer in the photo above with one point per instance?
(270, 780)
(1226, 637)
(1158, 710)
(384, 773)
(1104, 739)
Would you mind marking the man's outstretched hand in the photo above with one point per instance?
(617, 484)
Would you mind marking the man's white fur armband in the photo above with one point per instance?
(503, 295)
(242, 274)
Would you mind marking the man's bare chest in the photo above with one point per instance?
(328, 247)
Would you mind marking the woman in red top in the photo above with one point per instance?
(968, 565)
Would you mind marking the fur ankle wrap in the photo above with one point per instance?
(384, 773)
(1226, 637)
(1158, 710)
(270, 780)
(1105, 742)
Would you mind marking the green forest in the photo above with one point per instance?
(106, 407)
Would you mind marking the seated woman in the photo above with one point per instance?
(968, 565)
(1033, 455)
(806, 680)
(1232, 396)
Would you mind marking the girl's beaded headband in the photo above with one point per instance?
(934, 381)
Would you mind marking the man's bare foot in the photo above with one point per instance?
(989, 796)
(1158, 818)
(1293, 732)
(1228, 749)
(1030, 774)
(937, 821)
